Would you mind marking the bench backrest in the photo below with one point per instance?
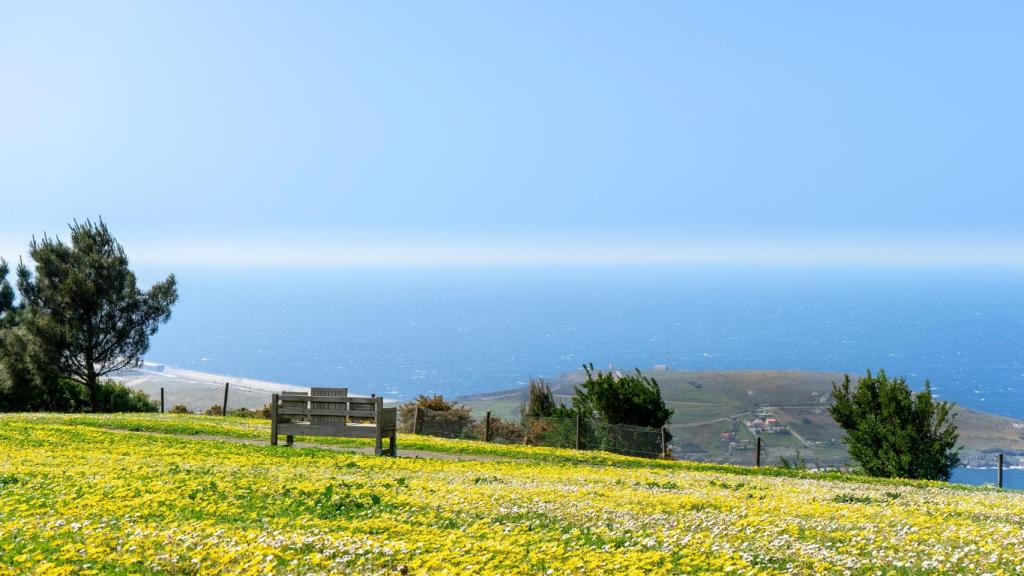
(327, 406)
(334, 406)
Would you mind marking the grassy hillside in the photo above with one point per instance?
(78, 497)
(710, 404)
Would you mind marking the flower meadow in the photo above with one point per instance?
(79, 498)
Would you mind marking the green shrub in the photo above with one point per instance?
(797, 462)
(116, 397)
(502, 431)
(622, 398)
(248, 413)
(892, 431)
(541, 401)
(447, 414)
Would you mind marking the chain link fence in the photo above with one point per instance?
(626, 439)
(567, 431)
(456, 423)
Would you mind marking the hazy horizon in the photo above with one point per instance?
(564, 252)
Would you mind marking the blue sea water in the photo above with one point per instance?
(1013, 478)
(465, 330)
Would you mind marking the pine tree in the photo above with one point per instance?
(83, 305)
(6, 297)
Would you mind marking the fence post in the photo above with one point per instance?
(224, 408)
(999, 474)
(487, 426)
(161, 400)
(664, 444)
(757, 458)
(416, 421)
(577, 429)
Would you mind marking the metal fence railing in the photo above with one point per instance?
(570, 431)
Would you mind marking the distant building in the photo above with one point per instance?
(660, 367)
(773, 425)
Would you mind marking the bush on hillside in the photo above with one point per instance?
(502, 431)
(249, 413)
(796, 462)
(540, 402)
(621, 399)
(893, 432)
(116, 397)
(29, 380)
(439, 417)
(23, 392)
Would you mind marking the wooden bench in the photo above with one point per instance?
(332, 412)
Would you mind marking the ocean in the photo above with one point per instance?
(1012, 477)
(457, 331)
(465, 330)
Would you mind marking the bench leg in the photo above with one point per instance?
(394, 445)
(289, 440)
(273, 439)
(378, 446)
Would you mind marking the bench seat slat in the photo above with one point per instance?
(353, 431)
(303, 411)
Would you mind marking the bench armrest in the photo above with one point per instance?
(389, 419)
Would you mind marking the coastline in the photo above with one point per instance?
(149, 371)
(199, 391)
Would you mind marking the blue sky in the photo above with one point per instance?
(446, 132)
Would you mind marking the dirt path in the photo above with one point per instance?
(351, 449)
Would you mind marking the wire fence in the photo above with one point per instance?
(568, 431)
(698, 442)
